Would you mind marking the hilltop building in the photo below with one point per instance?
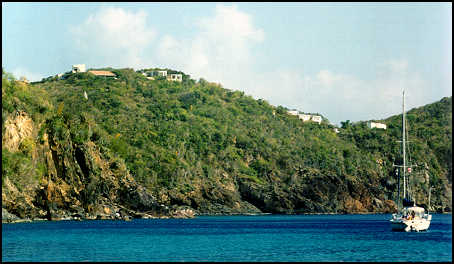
(304, 117)
(152, 74)
(376, 125)
(177, 77)
(317, 119)
(162, 73)
(155, 73)
(103, 73)
(78, 68)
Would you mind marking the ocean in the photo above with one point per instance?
(229, 238)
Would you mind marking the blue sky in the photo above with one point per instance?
(342, 60)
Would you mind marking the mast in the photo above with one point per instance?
(403, 139)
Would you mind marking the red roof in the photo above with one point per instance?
(103, 73)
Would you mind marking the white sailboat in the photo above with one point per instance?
(410, 217)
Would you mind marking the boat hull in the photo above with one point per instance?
(410, 225)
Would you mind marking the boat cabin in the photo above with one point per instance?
(413, 212)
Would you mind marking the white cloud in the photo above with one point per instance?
(230, 25)
(220, 51)
(115, 37)
(339, 96)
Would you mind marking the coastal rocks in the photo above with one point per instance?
(79, 181)
(8, 217)
(216, 196)
(318, 193)
(182, 213)
(138, 198)
(20, 203)
(17, 127)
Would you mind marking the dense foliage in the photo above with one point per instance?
(177, 136)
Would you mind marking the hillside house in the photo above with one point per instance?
(155, 73)
(304, 117)
(78, 68)
(177, 77)
(317, 119)
(103, 73)
(161, 73)
(376, 125)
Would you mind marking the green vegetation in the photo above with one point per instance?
(19, 167)
(179, 137)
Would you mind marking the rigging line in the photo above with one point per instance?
(409, 161)
(408, 145)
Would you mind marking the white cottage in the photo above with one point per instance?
(177, 77)
(304, 117)
(317, 119)
(162, 73)
(78, 68)
(376, 125)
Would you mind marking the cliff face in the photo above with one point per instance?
(78, 181)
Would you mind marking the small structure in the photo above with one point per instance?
(317, 119)
(304, 117)
(177, 77)
(103, 73)
(160, 73)
(376, 125)
(78, 68)
(155, 73)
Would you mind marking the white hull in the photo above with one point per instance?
(400, 224)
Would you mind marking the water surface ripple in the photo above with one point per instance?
(228, 238)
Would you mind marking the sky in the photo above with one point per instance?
(345, 61)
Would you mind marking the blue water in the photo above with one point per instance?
(228, 238)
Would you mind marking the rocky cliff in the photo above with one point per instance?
(79, 181)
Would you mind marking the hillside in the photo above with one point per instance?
(429, 135)
(199, 146)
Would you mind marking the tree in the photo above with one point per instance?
(345, 124)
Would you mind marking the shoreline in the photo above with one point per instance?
(16, 221)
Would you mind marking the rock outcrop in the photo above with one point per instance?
(80, 182)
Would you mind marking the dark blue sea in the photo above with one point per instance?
(228, 238)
